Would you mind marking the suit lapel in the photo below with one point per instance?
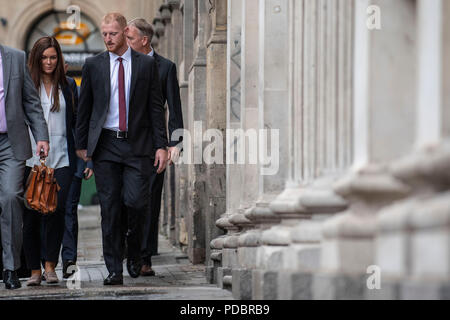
(106, 68)
(6, 62)
(157, 58)
(134, 73)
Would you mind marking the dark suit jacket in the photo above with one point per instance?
(146, 122)
(171, 94)
(71, 98)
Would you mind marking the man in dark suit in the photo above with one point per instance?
(120, 125)
(139, 36)
(20, 107)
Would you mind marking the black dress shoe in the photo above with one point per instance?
(134, 268)
(114, 279)
(11, 280)
(66, 265)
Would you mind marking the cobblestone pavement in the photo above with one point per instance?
(176, 278)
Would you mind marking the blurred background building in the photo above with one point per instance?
(22, 22)
(359, 208)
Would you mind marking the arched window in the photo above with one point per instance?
(76, 44)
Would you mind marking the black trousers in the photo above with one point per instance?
(42, 235)
(122, 182)
(149, 246)
(70, 238)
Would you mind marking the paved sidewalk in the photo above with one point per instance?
(176, 278)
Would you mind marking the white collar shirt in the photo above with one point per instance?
(112, 119)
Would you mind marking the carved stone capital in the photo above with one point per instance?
(350, 225)
(297, 202)
(232, 241)
(217, 243)
(159, 26)
(251, 238)
(370, 189)
(427, 171)
(241, 221)
(166, 13)
(262, 214)
(277, 236)
(225, 224)
(174, 4)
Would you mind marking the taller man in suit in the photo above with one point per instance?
(120, 125)
(20, 106)
(139, 37)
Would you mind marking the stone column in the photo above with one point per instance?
(159, 43)
(216, 117)
(273, 111)
(232, 121)
(249, 173)
(445, 74)
(411, 245)
(384, 93)
(169, 213)
(165, 14)
(187, 42)
(197, 110)
(292, 249)
(177, 38)
(172, 19)
(160, 39)
(158, 27)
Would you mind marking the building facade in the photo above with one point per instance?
(358, 92)
(22, 22)
(354, 97)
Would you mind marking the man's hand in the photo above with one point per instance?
(82, 154)
(42, 147)
(88, 173)
(161, 159)
(174, 154)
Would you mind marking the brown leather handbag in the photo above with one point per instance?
(42, 189)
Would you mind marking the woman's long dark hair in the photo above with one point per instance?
(35, 66)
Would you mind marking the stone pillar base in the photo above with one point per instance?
(247, 257)
(221, 274)
(390, 290)
(210, 274)
(294, 285)
(421, 290)
(229, 258)
(332, 286)
(196, 255)
(242, 284)
(265, 285)
(211, 270)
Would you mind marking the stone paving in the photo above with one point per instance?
(176, 278)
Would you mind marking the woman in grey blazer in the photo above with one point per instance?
(43, 234)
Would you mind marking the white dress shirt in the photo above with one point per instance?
(58, 156)
(112, 119)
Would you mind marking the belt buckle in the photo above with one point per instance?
(122, 135)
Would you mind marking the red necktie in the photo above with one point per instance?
(122, 101)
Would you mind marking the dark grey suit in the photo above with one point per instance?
(23, 109)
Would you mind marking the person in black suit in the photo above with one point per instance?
(120, 124)
(139, 36)
(70, 238)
